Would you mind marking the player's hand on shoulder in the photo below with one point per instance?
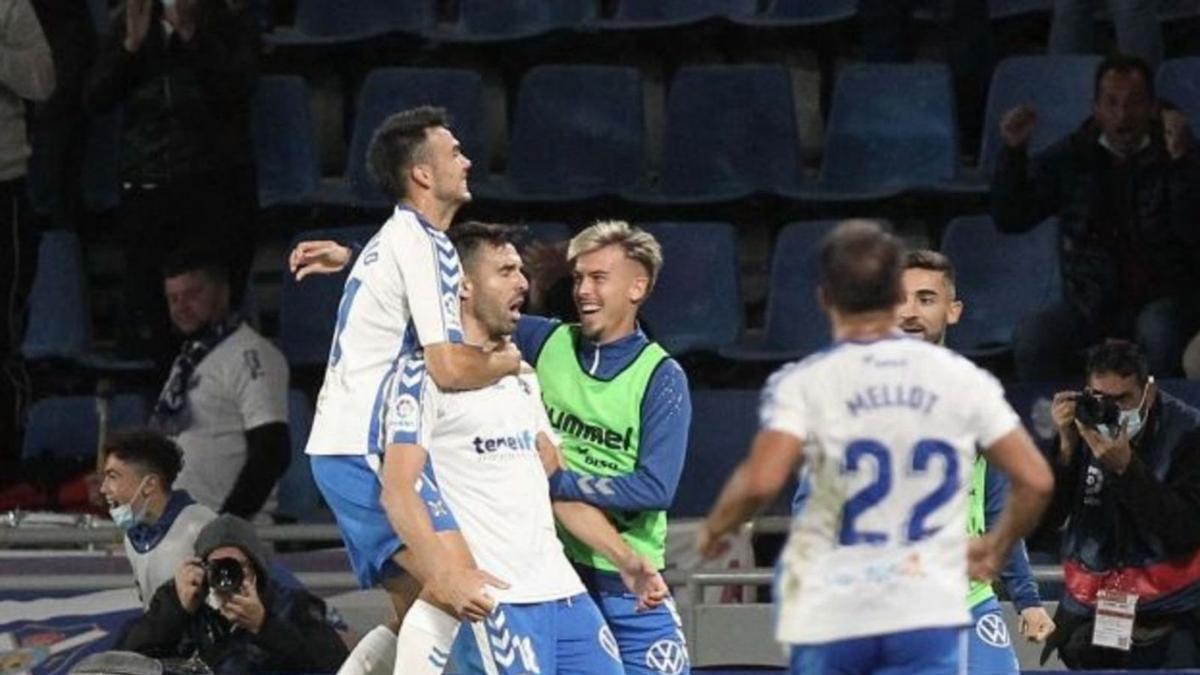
(318, 257)
(510, 356)
(1036, 624)
(464, 591)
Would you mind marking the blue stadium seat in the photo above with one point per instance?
(67, 426)
(548, 232)
(1178, 81)
(298, 496)
(308, 309)
(390, 90)
(500, 20)
(1060, 87)
(695, 305)
(795, 325)
(891, 130)
(723, 423)
(1187, 391)
(577, 133)
(331, 22)
(285, 144)
(636, 14)
(997, 293)
(796, 13)
(101, 181)
(730, 132)
(59, 324)
(1002, 9)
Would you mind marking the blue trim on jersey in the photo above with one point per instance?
(343, 313)
(449, 279)
(376, 437)
(407, 401)
(145, 536)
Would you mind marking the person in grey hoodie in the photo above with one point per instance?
(261, 625)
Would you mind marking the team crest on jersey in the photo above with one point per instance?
(992, 630)
(667, 657)
(408, 413)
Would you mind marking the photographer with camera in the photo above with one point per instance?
(1127, 476)
(223, 607)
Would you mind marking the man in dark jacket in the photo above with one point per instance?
(184, 72)
(1129, 492)
(259, 625)
(1126, 190)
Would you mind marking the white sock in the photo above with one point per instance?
(423, 646)
(373, 655)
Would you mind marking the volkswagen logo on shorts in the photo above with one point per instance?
(667, 657)
(609, 643)
(991, 629)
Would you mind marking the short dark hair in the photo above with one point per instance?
(396, 143)
(470, 236)
(149, 450)
(196, 258)
(1118, 357)
(926, 259)
(860, 267)
(1123, 63)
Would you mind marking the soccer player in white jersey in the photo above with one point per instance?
(875, 569)
(401, 298)
(484, 450)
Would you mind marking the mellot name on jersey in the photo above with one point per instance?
(891, 396)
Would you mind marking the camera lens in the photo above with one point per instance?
(225, 574)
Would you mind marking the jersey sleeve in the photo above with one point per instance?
(260, 378)
(992, 417)
(782, 406)
(412, 405)
(429, 266)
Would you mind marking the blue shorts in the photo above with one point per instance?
(560, 636)
(989, 643)
(928, 651)
(651, 642)
(351, 485)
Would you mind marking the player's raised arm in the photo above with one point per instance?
(1031, 486)
(460, 366)
(592, 528)
(773, 459)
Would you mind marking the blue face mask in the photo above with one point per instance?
(123, 515)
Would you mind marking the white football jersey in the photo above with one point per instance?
(158, 565)
(483, 451)
(402, 294)
(890, 430)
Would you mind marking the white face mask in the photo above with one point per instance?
(1132, 420)
(123, 515)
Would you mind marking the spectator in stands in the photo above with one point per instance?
(225, 401)
(1128, 490)
(184, 72)
(1126, 189)
(223, 607)
(26, 72)
(1073, 30)
(160, 524)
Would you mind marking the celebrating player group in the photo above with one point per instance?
(505, 478)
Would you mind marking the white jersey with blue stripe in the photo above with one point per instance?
(890, 430)
(482, 447)
(402, 294)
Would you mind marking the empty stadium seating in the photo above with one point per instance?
(641, 14)
(1000, 279)
(695, 305)
(332, 22)
(68, 426)
(491, 21)
(1178, 81)
(298, 496)
(285, 144)
(58, 325)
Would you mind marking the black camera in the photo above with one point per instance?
(224, 574)
(1093, 409)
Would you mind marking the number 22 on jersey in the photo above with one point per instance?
(862, 452)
